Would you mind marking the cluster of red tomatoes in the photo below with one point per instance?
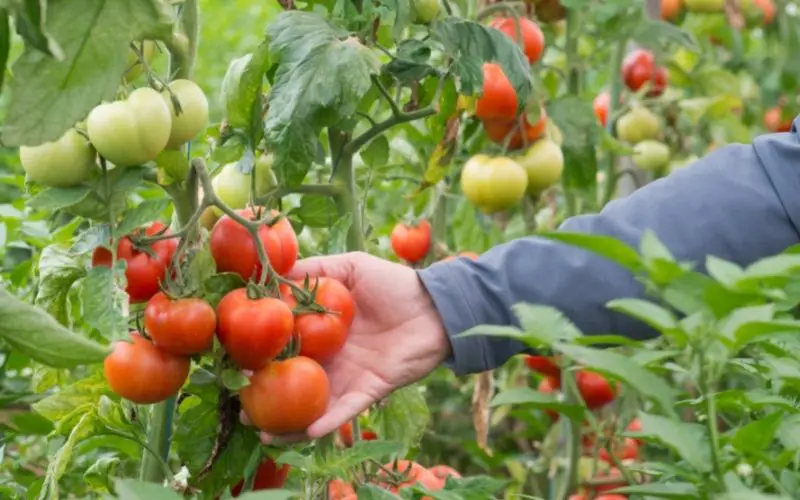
(253, 326)
(395, 476)
(596, 392)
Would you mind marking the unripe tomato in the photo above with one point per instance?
(411, 243)
(639, 67)
(323, 335)
(253, 331)
(269, 476)
(705, 6)
(67, 161)
(670, 9)
(444, 471)
(193, 118)
(638, 125)
(543, 162)
(499, 99)
(493, 184)
(132, 131)
(287, 396)
(595, 390)
(651, 155)
(532, 36)
(775, 121)
(544, 365)
(500, 131)
(134, 67)
(233, 187)
(143, 273)
(183, 326)
(141, 372)
(425, 11)
(234, 250)
(628, 451)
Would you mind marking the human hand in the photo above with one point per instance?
(397, 336)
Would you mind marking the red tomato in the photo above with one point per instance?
(141, 372)
(594, 388)
(611, 496)
(183, 326)
(774, 121)
(635, 425)
(323, 335)
(670, 9)
(628, 451)
(339, 490)
(411, 243)
(768, 11)
(498, 131)
(639, 67)
(601, 103)
(287, 396)
(544, 364)
(613, 473)
(234, 250)
(253, 331)
(499, 99)
(444, 471)
(532, 36)
(413, 473)
(268, 477)
(143, 273)
(548, 385)
(346, 433)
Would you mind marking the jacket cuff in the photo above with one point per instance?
(446, 286)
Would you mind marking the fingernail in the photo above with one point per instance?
(266, 438)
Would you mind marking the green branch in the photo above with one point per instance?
(182, 46)
(614, 92)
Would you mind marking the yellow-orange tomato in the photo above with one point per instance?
(493, 184)
(670, 9)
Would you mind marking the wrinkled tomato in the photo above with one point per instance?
(269, 476)
(411, 243)
(532, 36)
(235, 251)
(253, 331)
(141, 372)
(183, 326)
(286, 396)
(144, 273)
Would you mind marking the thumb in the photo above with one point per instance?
(340, 267)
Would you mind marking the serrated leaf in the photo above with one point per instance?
(337, 235)
(90, 239)
(86, 391)
(36, 334)
(51, 199)
(29, 19)
(652, 33)
(100, 474)
(689, 440)
(537, 399)
(404, 417)
(335, 464)
(316, 211)
(105, 302)
(545, 325)
(622, 367)
(233, 380)
(59, 462)
(142, 214)
(49, 95)
(58, 271)
(605, 246)
(218, 285)
(470, 44)
(322, 76)
(376, 153)
(131, 489)
(201, 266)
(242, 90)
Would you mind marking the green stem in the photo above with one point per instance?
(439, 221)
(164, 465)
(615, 90)
(709, 393)
(573, 432)
(571, 50)
(344, 179)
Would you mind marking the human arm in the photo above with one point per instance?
(739, 203)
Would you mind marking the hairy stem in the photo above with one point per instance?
(345, 181)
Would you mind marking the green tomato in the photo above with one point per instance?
(385, 36)
(233, 187)
(493, 184)
(134, 66)
(638, 125)
(132, 131)
(651, 155)
(544, 164)
(193, 118)
(706, 6)
(425, 11)
(65, 162)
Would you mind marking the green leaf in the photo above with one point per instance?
(545, 325)
(652, 33)
(674, 491)
(373, 492)
(689, 440)
(758, 434)
(404, 417)
(36, 334)
(31, 424)
(475, 487)
(5, 43)
(105, 302)
(59, 462)
(322, 76)
(141, 214)
(470, 44)
(376, 153)
(90, 239)
(622, 367)
(337, 236)
(605, 246)
(654, 315)
(242, 91)
(778, 266)
(193, 443)
(316, 210)
(233, 380)
(789, 432)
(727, 273)
(58, 271)
(49, 95)
(581, 132)
(87, 391)
(29, 19)
(217, 286)
(528, 396)
(131, 489)
(201, 266)
(269, 495)
(52, 199)
(101, 473)
(508, 332)
(173, 166)
(750, 495)
(336, 463)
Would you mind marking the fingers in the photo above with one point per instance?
(342, 411)
(338, 267)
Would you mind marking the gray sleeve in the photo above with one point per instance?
(740, 203)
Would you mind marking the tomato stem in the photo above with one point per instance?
(615, 91)
(573, 432)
